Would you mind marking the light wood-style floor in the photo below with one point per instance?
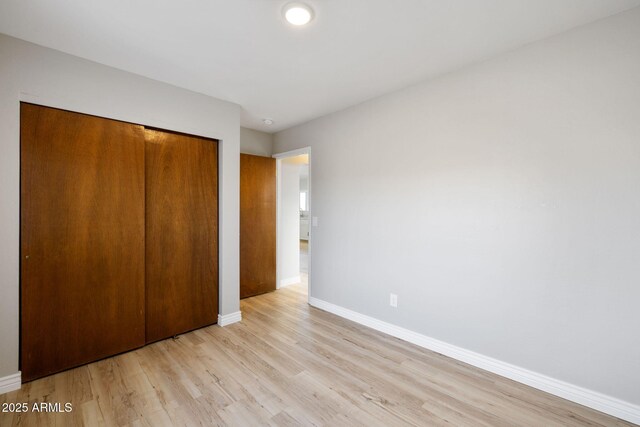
(289, 364)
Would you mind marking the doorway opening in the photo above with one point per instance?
(294, 220)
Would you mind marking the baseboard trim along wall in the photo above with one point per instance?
(290, 281)
(10, 382)
(228, 319)
(598, 401)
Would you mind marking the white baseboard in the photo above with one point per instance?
(10, 382)
(592, 399)
(227, 319)
(290, 281)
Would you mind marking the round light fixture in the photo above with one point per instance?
(297, 13)
(267, 122)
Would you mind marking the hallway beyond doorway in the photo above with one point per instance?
(304, 257)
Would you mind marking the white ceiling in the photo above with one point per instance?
(242, 50)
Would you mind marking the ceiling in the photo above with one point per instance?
(243, 51)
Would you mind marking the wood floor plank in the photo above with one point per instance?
(288, 364)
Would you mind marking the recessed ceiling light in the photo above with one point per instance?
(267, 122)
(297, 13)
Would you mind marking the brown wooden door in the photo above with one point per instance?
(182, 233)
(257, 225)
(82, 239)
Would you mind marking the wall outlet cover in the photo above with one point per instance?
(393, 300)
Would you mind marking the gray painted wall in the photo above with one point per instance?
(500, 202)
(256, 142)
(45, 76)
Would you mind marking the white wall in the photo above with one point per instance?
(288, 258)
(256, 142)
(304, 178)
(500, 202)
(304, 215)
(45, 76)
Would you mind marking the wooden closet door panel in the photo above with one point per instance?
(257, 225)
(82, 239)
(182, 233)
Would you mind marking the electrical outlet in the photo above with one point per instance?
(393, 300)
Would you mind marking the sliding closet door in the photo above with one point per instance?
(82, 239)
(181, 233)
(257, 225)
